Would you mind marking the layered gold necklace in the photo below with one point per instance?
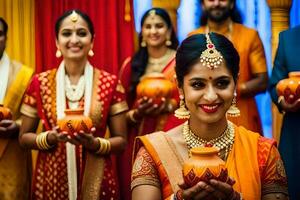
(224, 142)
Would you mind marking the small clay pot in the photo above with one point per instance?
(203, 165)
(289, 87)
(75, 121)
(155, 86)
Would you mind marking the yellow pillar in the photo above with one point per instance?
(171, 7)
(280, 15)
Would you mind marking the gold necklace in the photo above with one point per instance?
(157, 64)
(228, 34)
(224, 142)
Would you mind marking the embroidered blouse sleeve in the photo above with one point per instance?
(144, 171)
(119, 103)
(273, 174)
(29, 104)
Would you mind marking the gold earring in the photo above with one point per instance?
(58, 53)
(91, 53)
(233, 111)
(168, 42)
(143, 43)
(182, 112)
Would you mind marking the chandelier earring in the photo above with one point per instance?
(233, 111)
(58, 53)
(91, 53)
(143, 43)
(182, 112)
(168, 42)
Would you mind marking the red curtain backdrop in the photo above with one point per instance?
(113, 35)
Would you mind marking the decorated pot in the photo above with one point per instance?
(5, 113)
(203, 165)
(289, 87)
(75, 121)
(155, 86)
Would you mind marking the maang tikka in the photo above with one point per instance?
(74, 16)
(210, 57)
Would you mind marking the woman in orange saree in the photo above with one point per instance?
(156, 53)
(79, 166)
(207, 67)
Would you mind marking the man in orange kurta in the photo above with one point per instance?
(220, 17)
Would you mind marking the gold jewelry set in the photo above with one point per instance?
(74, 18)
(104, 146)
(224, 142)
(41, 141)
(210, 58)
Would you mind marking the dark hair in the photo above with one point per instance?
(189, 52)
(234, 14)
(5, 26)
(85, 17)
(140, 58)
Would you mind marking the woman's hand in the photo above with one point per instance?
(289, 107)
(87, 140)
(147, 107)
(8, 128)
(54, 136)
(214, 189)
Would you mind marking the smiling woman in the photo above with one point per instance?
(156, 53)
(207, 67)
(69, 167)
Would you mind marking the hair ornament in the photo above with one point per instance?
(74, 16)
(152, 13)
(211, 57)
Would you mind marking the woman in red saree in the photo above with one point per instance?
(207, 67)
(157, 45)
(76, 167)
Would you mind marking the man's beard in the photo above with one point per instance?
(224, 14)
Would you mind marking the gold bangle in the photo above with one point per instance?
(280, 98)
(108, 146)
(104, 146)
(41, 141)
(100, 148)
(131, 116)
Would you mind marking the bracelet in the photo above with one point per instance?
(279, 100)
(130, 115)
(41, 141)
(104, 146)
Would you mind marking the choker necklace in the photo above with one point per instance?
(74, 92)
(224, 142)
(228, 33)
